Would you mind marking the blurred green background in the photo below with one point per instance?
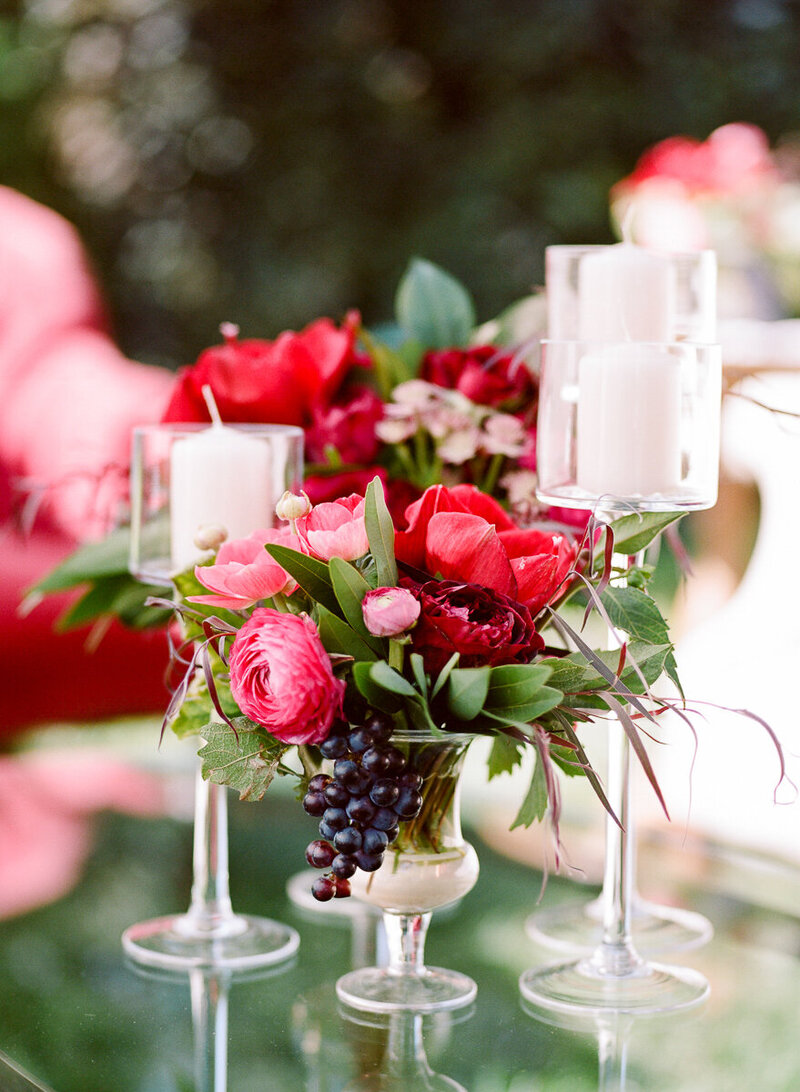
(268, 161)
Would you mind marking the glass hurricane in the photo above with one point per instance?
(430, 865)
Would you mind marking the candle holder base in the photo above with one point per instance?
(655, 930)
(581, 986)
(434, 989)
(238, 943)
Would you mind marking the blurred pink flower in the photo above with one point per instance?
(335, 529)
(244, 572)
(388, 612)
(348, 425)
(281, 677)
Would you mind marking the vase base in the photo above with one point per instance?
(577, 987)
(654, 929)
(172, 943)
(376, 989)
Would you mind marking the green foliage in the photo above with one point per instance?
(246, 759)
(433, 307)
(380, 534)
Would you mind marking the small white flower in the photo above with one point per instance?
(210, 536)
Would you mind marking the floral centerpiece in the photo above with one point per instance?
(326, 637)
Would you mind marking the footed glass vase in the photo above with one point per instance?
(428, 866)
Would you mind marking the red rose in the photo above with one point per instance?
(483, 374)
(275, 382)
(482, 625)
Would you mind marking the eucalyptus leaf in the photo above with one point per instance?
(350, 587)
(338, 636)
(389, 679)
(512, 684)
(433, 306)
(466, 691)
(380, 533)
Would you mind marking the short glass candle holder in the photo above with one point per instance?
(629, 425)
(186, 477)
(627, 293)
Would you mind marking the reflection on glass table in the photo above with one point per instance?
(76, 1018)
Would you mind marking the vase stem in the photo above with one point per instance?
(405, 939)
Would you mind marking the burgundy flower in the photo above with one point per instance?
(482, 625)
(347, 425)
(484, 374)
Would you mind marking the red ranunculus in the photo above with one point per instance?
(482, 625)
(484, 374)
(348, 425)
(281, 676)
(279, 382)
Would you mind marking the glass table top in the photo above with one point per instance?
(75, 1017)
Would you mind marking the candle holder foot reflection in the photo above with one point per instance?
(210, 934)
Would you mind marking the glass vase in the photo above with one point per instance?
(429, 866)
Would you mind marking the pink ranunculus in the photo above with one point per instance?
(281, 381)
(281, 677)
(482, 625)
(243, 572)
(388, 612)
(335, 529)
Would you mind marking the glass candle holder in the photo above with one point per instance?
(626, 293)
(185, 477)
(629, 425)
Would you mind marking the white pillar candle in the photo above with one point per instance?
(629, 422)
(218, 476)
(626, 293)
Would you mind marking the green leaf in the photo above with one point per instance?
(350, 587)
(89, 563)
(514, 684)
(638, 615)
(467, 690)
(380, 533)
(634, 532)
(434, 307)
(312, 575)
(527, 712)
(506, 753)
(338, 636)
(246, 760)
(573, 674)
(534, 806)
(418, 668)
(377, 697)
(116, 596)
(391, 680)
(444, 674)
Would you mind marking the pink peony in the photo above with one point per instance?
(244, 572)
(335, 529)
(281, 677)
(388, 612)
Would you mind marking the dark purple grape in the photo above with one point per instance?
(384, 792)
(342, 889)
(323, 888)
(337, 818)
(384, 819)
(314, 803)
(327, 831)
(336, 795)
(320, 854)
(374, 841)
(348, 840)
(381, 727)
(375, 761)
(410, 780)
(343, 866)
(392, 833)
(333, 747)
(361, 809)
(396, 762)
(369, 862)
(408, 803)
(339, 728)
(359, 740)
(318, 782)
(361, 784)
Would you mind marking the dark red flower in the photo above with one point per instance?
(484, 374)
(482, 625)
(348, 425)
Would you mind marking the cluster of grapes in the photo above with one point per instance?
(361, 806)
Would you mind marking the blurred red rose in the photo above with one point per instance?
(482, 625)
(274, 382)
(483, 374)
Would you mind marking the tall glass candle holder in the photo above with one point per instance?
(624, 427)
(184, 478)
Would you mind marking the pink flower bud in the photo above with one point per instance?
(388, 612)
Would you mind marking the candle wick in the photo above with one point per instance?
(208, 395)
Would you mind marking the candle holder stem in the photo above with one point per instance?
(210, 934)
